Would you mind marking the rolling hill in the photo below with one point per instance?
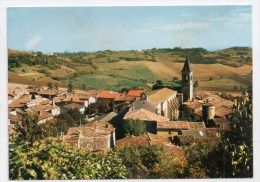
(224, 69)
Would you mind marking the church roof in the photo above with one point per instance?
(186, 67)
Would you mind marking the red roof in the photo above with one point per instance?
(135, 93)
(108, 94)
(73, 106)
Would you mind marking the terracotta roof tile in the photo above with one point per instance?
(158, 96)
(108, 94)
(196, 125)
(46, 107)
(14, 118)
(223, 111)
(93, 93)
(145, 115)
(135, 93)
(93, 136)
(190, 139)
(142, 140)
(39, 100)
(173, 125)
(18, 103)
(201, 95)
(125, 98)
(223, 107)
(183, 125)
(151, 139)
(26, 96)
(196, 105)
(41, 113)
(74, 106)
(223, 123)
(50, 92)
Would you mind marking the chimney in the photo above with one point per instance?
(208, 112)
(53, 103)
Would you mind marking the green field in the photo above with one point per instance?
(118, 69)
(221, 84)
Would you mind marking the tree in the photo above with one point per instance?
(238, 142)
(134, 127)
(72, 118)
(151, 161)
(27, 129)
(139, 161)
(49, 158)
(157, 83)
(236, 147)
(196, 84)
(84, 87)
(56, 86)
(70, 87)
(50, 85)
(175, 79)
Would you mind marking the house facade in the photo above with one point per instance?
(166, 102)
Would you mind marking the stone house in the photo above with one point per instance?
(97, 136)
(170, 129)
(166, 102)
(46, 93)
(43, 116)
(54, 110)
(67, 107)
(81, 99)
(150, 119)
(206, 107)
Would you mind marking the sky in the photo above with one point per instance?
(91, 29)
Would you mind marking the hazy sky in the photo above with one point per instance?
(127, 28)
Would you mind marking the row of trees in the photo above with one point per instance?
(16, 60)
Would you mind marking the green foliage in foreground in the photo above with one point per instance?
(236, 148)
(150, 162)
(238, 142)
(134, 127)
(51, 159)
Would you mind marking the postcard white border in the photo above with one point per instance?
(4, 4)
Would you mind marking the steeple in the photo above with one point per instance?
(186, 67)
(187, 81)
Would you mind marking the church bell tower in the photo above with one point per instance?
(187, 81)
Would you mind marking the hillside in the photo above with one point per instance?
(229, 68)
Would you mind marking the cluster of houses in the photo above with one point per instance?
(172, 118)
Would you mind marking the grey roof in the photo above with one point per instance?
(107, 117)
(186, 67)
(195, 133)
